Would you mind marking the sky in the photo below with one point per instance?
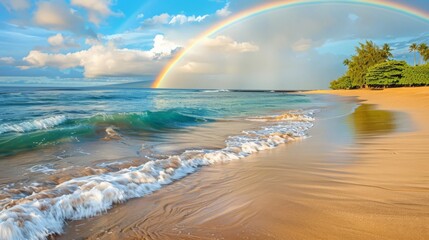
(100, 42)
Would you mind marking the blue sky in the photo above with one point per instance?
(96, 42)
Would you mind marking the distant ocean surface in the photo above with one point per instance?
(73, 153)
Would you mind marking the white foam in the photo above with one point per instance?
(216, 91)
(290, 116)
(37, 124)
(44, 213)
(43, 168)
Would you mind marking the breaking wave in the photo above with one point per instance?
(54, 130)
(37, 124)
(41, 214)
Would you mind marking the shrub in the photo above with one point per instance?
(416, 76)
(386, 74)
(343, 82)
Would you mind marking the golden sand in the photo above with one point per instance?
(374, 187)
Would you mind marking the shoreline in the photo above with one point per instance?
(364, 187)
(394, 101)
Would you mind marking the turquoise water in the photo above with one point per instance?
(36, 118)
(73, 153)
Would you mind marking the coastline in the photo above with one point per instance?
(373, 187)
(410, 100)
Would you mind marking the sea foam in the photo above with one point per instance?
(37, 124)
(216, 91)
(44, 213)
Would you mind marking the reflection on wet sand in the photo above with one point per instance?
(367, 120)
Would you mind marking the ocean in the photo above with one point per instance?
(69, 154)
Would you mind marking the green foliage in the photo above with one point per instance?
(343, 82)
(371, 66)
(415, 76)
(425, 55)
(423, 50)
(386, 74)
(367, 55)
(414, 48)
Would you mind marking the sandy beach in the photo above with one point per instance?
(370, 182)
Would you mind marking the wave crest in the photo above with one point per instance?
(37, 124)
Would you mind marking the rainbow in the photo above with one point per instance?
(264, 8)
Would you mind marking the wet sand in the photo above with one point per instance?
(362, 176)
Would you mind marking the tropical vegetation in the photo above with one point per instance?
(374, 67)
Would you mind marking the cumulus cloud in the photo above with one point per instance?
(39, 59)
(182, 19)
(107, 60)
(229, 45)
(224, 12)
(58, 41)
(97, 9)
(162, 47)
(16, 5)
(158, 19)
(56, 15)
(179, 19)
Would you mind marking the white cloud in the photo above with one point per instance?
(107, 60)
(58, 41)
(302, 45)
(7, 60)
(158, 19)
(140, 16)
(179, 19)
(223, 12)
(162, 47)
(16, 5)
(39, 59)
(56, 15)
(97, 9)
(227, 44)
(182, 19)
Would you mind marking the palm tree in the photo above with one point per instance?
(387, 51)
(422, 48)
(414, 48)
(426, 55)
(424, 52)
(346, 62)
